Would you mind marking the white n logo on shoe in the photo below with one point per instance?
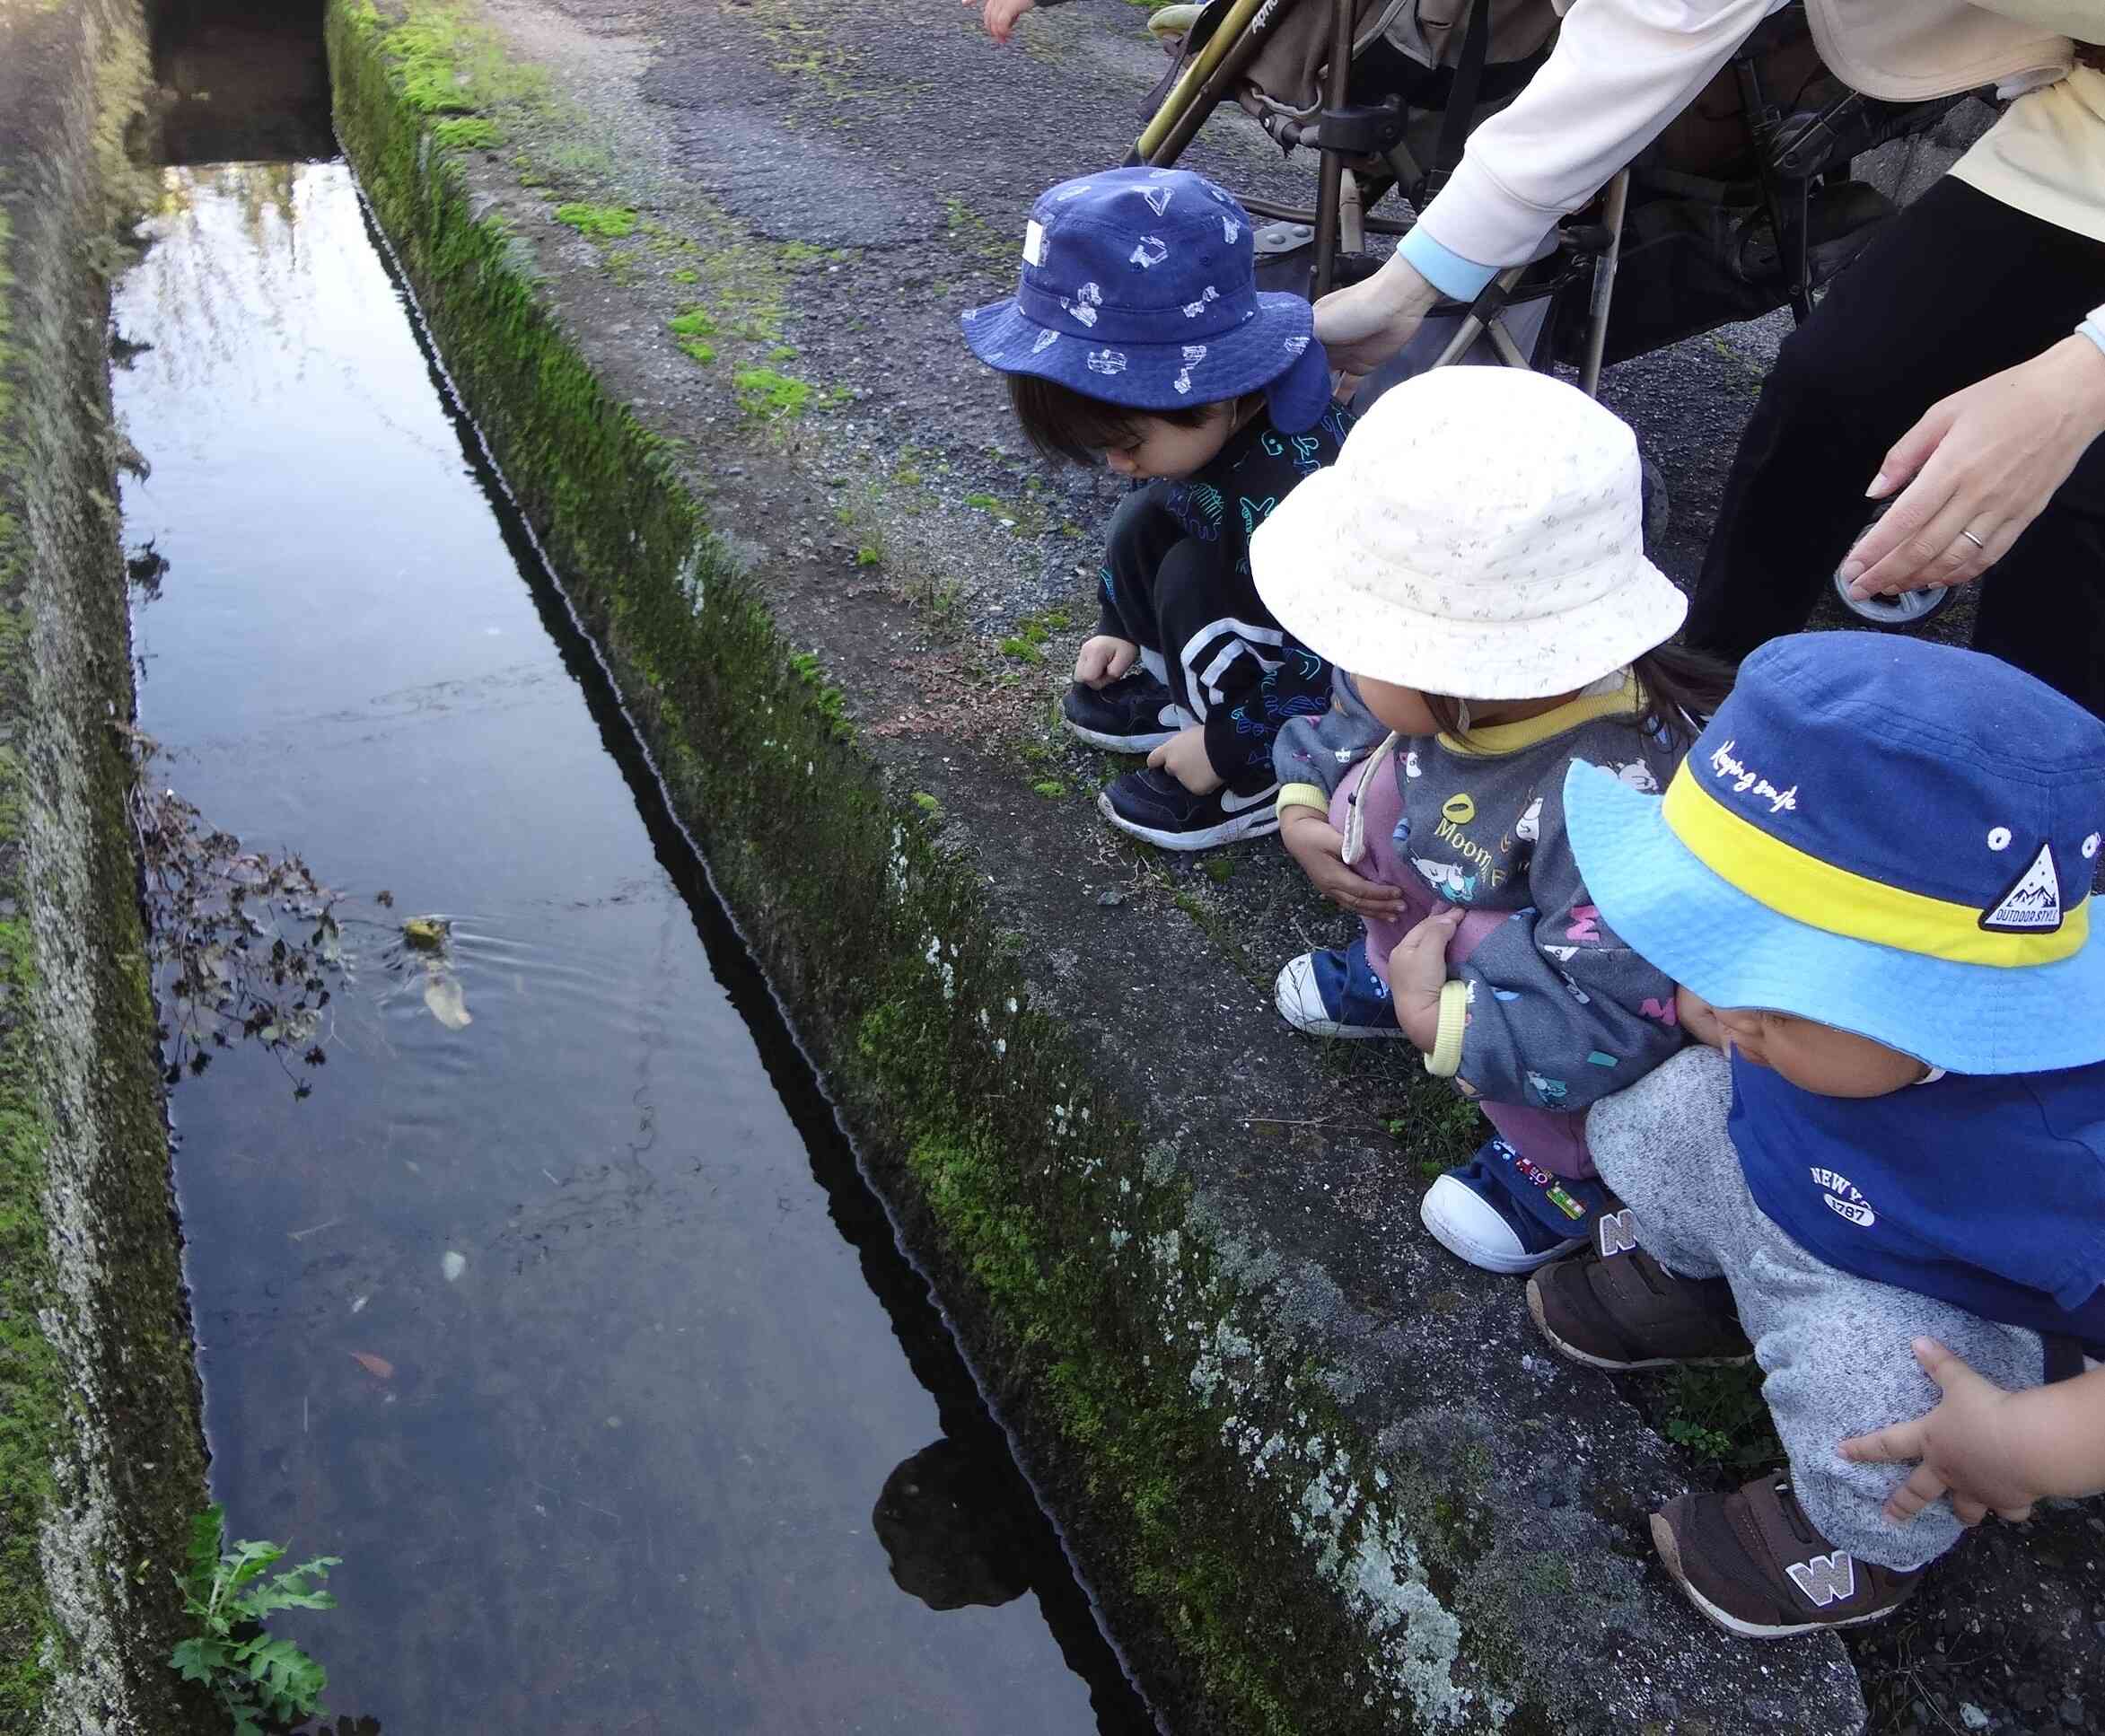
(1825, 1579)
(1618, 1233)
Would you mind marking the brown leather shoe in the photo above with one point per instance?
(1752, 1564)
(1615, 1307)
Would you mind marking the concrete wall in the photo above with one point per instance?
(101, 1458)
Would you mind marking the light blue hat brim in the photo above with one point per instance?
(1735, 951)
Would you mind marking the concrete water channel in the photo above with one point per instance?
(559, 1309)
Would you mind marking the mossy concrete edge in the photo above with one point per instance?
(1265, 1570)
(102, 1459)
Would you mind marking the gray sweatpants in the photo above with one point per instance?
(1834, 1350)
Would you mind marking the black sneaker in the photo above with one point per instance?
(1154, 805)
(1136, 714)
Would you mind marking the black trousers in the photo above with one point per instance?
(1956, 288)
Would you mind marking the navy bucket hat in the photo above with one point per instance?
(1894, 838)
(1139, 288)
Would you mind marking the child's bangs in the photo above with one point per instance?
(1062, 422)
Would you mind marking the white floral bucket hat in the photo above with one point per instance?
(1481, 536)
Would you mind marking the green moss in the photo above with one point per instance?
(699, 351)
(1048, 787)
(767, 394)
(1032, 1201)
(469, 133)
(687, 274)
(600, 222)
(695, 322)
(928, 804)
(1022, 650)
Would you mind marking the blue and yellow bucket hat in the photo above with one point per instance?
(1894, 838)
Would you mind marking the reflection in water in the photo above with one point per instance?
(572, 1329)
(951, 1530)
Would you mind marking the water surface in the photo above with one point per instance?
(651, 1356)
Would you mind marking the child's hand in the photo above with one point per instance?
(1184, 757)
(1319, 848)
(1417, 972)
(1969, 1447)
(1103, 659)
(1000, 16)
(1698, 1018)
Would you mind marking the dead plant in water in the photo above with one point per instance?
(243, 944)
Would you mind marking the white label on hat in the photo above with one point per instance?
(2032, 904)
(1034, 243)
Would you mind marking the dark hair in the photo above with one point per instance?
(1063, 423)
(1681, 689)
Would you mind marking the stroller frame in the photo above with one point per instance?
(1366, 141)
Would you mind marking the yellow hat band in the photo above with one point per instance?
(1823, 896)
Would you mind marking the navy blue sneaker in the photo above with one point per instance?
(1334, 992)
(1502, 1213)
(1151, 804)
(1136, 714)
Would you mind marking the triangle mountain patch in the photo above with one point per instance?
(2032, 904)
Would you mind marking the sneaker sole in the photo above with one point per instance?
(1670, 1556)
(1572, 1353)
(1257, 823)
(1147, 744)
(1449, 1236)
(1331, 1028)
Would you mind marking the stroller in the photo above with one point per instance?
(1745, 204)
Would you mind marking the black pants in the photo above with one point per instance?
(1199, 626)
(1956, 288)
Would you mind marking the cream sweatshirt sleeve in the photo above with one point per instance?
(1620, 71)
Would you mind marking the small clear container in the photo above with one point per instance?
(1910, 609)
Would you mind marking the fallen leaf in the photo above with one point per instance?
(449, 1005)
(377, 1366)
(426, 934)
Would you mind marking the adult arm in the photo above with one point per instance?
(1620, 72)
(1979, 467)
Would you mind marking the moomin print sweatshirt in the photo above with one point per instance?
(1559, 1011)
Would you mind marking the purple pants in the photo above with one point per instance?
(1554, 1138)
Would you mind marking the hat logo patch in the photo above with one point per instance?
(1192, 310)
(1194, 354)
(1084, 307)
(1723, 765)
(1158, 198)
(1045, 340)
(1151, 250)
(1231, 230)
(1034, 243)
(2032, 904)
(1106, 361)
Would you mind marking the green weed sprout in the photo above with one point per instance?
(258, 1680)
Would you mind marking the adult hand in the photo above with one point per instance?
(1103, 659)
(1000, 16)
(1319, 848)
(1968, 1446)
(1417, 972)
(1361, 328)
(1184, 757)
(1982, 462)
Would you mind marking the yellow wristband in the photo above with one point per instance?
(1445, 1060)
(1302, 795)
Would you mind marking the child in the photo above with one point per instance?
(1480, 537)
(1872, 877)
(1138, 333)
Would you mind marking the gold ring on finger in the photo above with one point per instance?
(1977, 542)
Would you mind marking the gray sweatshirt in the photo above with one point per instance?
(1560, 1011)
